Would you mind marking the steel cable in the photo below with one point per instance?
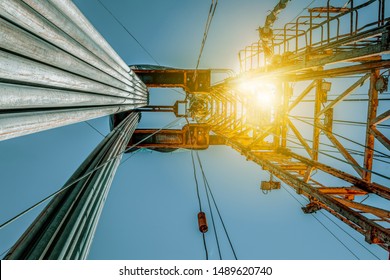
(210, 17)
(209, 204)
(197, 190)
(343, 137)
(334, 235)
(219, 213)
(128, 32)
(6, 223)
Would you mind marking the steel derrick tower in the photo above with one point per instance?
(282, 111)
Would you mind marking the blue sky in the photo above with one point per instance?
(151, 209)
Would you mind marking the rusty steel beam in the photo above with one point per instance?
(287, 93)
(374, 233)
(169, 78)
(381, 118)
(299, 67)
(381, 213)
(300, 137)
(342, 191)
(302, 95)
(361, 68)
(363, 47)
(371, 115)
(378, 189)
(316, 128)
(191, 136)
(381, 138)
(268, 131)
(355, 165)
(329, 10)
(342, 96)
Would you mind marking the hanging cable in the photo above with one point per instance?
(209, 204)
(348, 100)
(94, 128)
(205, 246)
(344, 161)
(357, 241)
(194, 168)
(322, 223)
(196, 181)
(135, 39)
(201, 214)
(336, 152)
(5, 252)
(351, 151)
(357, 152)
(311, 3)
(210, 17)
(364, 199)
(128, 32)
(131, 155)
(219, 213)
(336, 158)
(200, 206)
(6, 223)
(352, 123)
(343, 137)
(334, 235)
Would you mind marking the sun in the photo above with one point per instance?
(262, 92)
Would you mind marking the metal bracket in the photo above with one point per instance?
(311, 208)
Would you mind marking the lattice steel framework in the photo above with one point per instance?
(324, 56)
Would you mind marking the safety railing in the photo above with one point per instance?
(326, 30)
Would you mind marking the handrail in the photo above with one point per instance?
(314, 32)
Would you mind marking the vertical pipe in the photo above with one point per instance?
(23, 70)
(16, 40)
(46, 9)
(52, 57)
(65, 228)
(19, 13)
(18, 124)
(68, 8)
(14, 97)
